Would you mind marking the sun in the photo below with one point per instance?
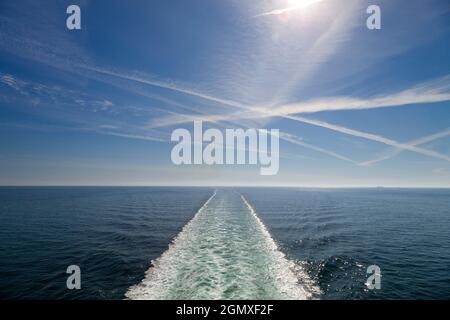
(297, 4)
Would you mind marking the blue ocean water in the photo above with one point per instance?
(337, 234)
(242, 243)
(111, 233)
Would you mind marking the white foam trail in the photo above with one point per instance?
(288, 270)
(224, 252)
(140, 292)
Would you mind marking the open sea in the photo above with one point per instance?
(224, 243)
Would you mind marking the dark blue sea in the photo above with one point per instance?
(207, 243)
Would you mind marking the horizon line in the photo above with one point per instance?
(225, 186)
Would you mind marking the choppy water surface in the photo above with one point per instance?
(244, 243)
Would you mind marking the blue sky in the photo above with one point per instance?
(97, 106)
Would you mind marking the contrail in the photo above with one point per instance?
(298, 141)
(304, 4)
(435, 91)
(268, 113)
(417, 142)
(405, 98)
(370, 136)
(165, 85)
(351, 132)
(132, 136)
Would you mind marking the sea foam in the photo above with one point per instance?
(224, 252)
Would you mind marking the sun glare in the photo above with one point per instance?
(297, 4)
(292, 5)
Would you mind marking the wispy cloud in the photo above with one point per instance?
(430, 89)
(370, 136)
(414, 143)
(134, 136)
(299, 141)
(293, 139)
(9, 80)
(317, 51)
(431, 92)
(351, 132)
(165, 85)
(434, 91)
